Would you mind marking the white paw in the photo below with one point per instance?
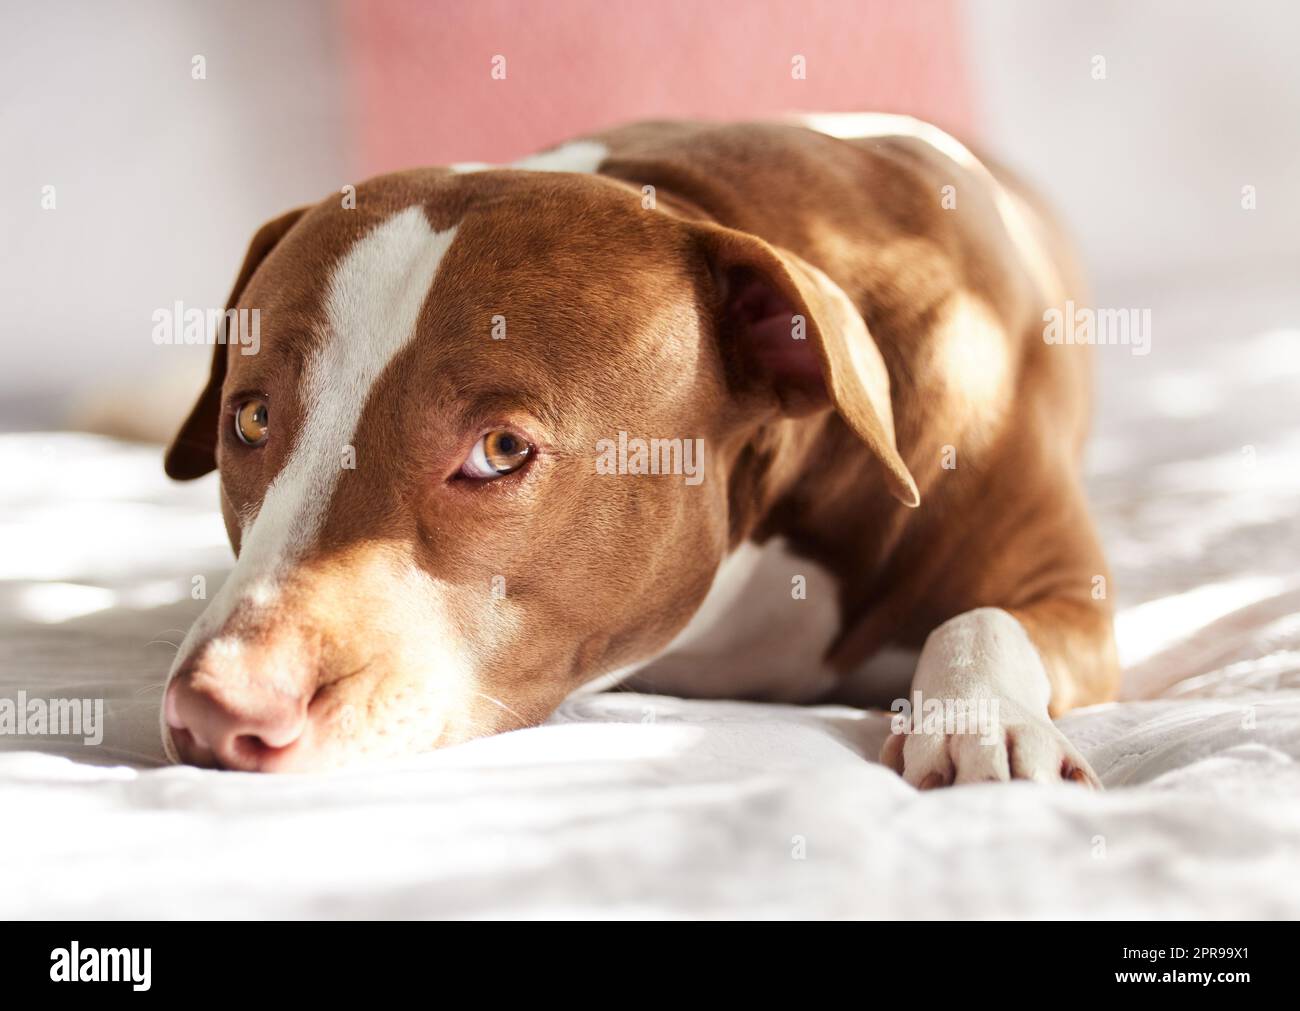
(1018, 745)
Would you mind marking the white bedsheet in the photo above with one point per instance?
(637, 805)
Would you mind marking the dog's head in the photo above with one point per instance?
(481, 455)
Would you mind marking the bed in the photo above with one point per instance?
(633, 805)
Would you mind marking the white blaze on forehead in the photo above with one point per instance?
(373, 303)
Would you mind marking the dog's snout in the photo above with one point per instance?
(247, 729)
(292, 675)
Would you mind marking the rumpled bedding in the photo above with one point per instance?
(628, 805)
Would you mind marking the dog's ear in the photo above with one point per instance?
(786, 327)
(193, 452)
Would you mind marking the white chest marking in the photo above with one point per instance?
(374, 300)
(761, 632)
(754, 638)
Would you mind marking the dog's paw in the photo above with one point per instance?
(1019, 745)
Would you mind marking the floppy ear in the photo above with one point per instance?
(788, 327)
(193, 452)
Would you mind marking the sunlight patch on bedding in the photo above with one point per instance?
(1185, 394)
(70, 541)
(1272, 354)
(573, 743)
(56, 602)
(1272, 673)
(71, 467)
(1154, 626)
(51, 603)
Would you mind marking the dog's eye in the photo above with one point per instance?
(250, 422)
(496, 454)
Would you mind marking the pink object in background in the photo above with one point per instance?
(425, 92)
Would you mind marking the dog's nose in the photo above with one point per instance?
(244, 731)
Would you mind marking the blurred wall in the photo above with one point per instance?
(1200, 98)
(428, 94)
(160, 179)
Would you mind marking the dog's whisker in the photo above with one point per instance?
(498, 702)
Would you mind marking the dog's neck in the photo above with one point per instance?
(812, 482)
(808, 480)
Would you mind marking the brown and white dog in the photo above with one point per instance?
(849, 315)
